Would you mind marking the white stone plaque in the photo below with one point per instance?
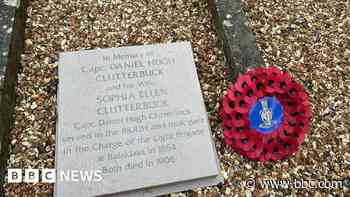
(132, 122)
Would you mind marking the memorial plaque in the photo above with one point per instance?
(135, 118)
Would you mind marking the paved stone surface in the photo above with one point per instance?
(238, 40)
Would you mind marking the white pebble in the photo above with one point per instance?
(34, 105)
(227, 23)
(27, 144)
(9, 30)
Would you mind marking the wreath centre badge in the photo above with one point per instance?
(266, 115)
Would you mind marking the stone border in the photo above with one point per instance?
(12, 23)
(237, 39)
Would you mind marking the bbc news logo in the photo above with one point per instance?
(50, 176)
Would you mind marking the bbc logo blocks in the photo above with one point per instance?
(31, 176)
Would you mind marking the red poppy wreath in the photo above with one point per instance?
(266, 114)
